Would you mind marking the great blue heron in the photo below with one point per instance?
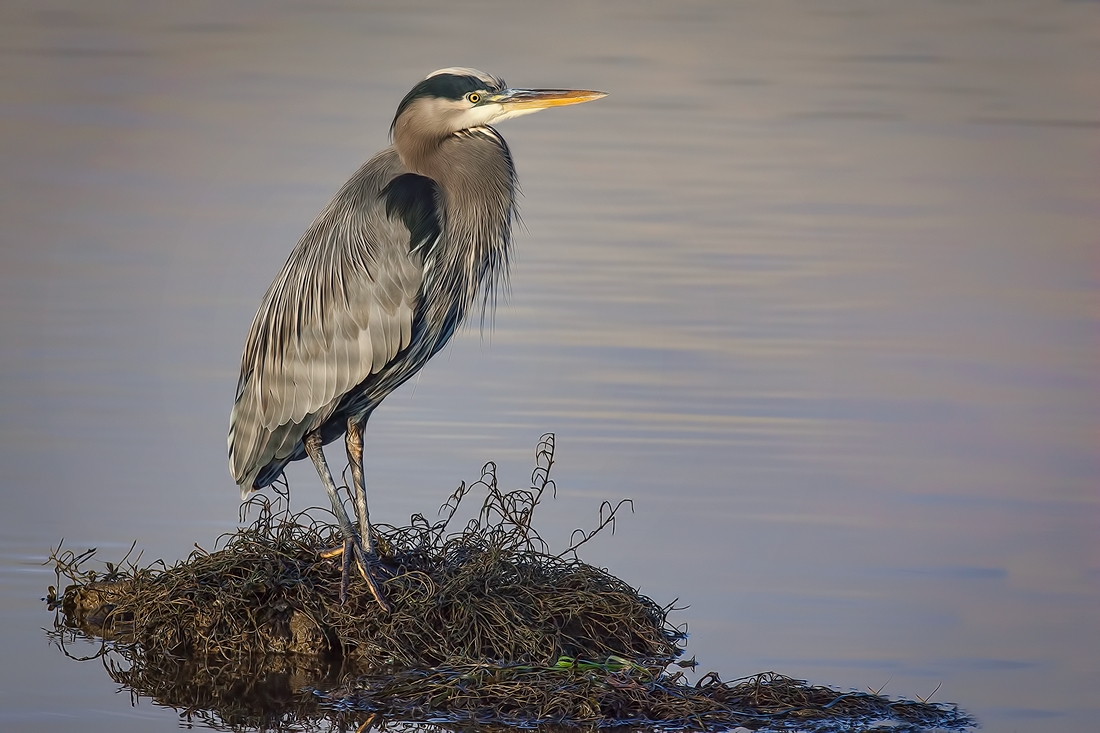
(379, 282)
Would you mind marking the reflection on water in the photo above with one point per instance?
(276, 694)
(289, 693)
(815, 286)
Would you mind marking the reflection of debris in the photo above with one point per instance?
(486, 627)
(619, 692)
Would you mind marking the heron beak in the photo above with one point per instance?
(530, 100)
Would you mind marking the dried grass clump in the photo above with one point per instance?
(622, 693)
(487, 629)
(490, 591)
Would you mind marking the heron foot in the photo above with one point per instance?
(368, 566)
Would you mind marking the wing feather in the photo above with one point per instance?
(341, 309)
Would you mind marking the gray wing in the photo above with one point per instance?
(341, 308)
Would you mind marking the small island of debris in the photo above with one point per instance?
(487, 627)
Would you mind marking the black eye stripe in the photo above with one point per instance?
(446, 86)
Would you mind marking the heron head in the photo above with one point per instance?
(454, 99)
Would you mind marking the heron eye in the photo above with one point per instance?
(473, 97)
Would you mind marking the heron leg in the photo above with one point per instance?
(354, 441)
(312, 445)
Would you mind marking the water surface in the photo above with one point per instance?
(816, 286)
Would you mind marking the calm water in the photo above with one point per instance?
(817, 286)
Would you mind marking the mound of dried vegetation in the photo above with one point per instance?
(487, 627)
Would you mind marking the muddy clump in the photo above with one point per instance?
(487, 627)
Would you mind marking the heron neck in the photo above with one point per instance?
(474, 173)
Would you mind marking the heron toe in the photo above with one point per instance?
(369, 566)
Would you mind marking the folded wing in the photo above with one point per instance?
(342, 308)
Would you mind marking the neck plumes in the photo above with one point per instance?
(473, 171)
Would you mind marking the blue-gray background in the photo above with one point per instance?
(816, 286)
